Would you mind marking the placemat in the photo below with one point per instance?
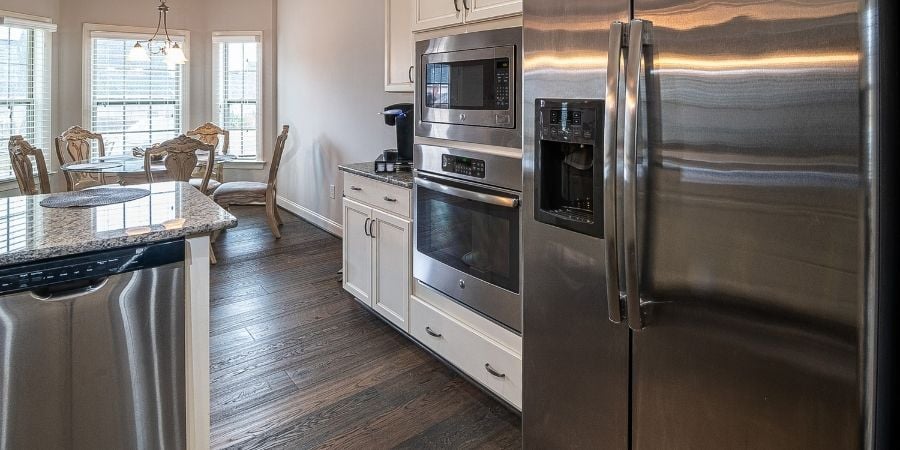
(94, 166)
(93, 197)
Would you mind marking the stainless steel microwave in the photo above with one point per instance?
(469, 88)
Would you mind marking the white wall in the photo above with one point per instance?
(330, 89)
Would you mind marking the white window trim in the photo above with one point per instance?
(218, 36)
(12, 18)
(130, 33)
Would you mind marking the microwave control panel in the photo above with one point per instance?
(459, 165)
(502, 84)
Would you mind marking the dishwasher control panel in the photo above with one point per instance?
(93, 266)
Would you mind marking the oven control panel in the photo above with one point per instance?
(459, 165)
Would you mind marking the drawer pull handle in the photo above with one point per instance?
(494, 372)
(389, 199)
(432, 333)
(355, 188)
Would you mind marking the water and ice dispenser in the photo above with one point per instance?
(569, 165)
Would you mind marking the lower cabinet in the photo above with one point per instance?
(488, 362)
(377, 260)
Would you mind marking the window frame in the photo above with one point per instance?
(92, 30)
(217, 67)
(44, 25)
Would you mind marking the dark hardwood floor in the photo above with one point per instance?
(297, 363)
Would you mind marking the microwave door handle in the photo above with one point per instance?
(496, 200)
(610, 172)
(638, 33)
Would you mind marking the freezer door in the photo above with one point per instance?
(575, 359)
(749, 230)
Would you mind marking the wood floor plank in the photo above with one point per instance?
(297, 363)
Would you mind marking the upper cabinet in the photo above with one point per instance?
(434, 14)
(399, 57)
(480, 10)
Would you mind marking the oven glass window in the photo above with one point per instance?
(474, 237)
(477, 85)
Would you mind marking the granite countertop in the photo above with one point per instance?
(173, 210)
(402, 178)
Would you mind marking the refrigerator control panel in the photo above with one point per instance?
(576, 121)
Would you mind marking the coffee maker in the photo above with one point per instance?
(399, 116)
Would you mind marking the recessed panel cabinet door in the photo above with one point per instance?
(399, 45)
(479, 10)
(431, 14)
(357, 251)
(393, 240)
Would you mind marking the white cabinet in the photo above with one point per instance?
(378, 247)
(431, 14)
(480, 10)
(392, 237)
(434, 14)
(357, 251)
(399, 56)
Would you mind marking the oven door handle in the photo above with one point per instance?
(497, 200)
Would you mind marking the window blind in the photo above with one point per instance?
(133, 104)
(24, 88)
(236, 90)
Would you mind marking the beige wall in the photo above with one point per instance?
(330, 89)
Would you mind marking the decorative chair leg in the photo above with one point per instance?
(212, 255)
(278, 216)
(272, 220)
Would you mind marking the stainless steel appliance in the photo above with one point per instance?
(468, 88)
(92, 351)
(467, 237)
(696, 267)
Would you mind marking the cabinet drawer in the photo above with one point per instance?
(386, 197)
(473, 353)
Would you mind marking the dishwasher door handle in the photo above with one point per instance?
(70, 293)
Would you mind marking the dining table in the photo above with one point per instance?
(126, 166)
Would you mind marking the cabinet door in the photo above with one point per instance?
(357, 251)
(393, 269)
(431, 14)
(399, 45)
(478, 10)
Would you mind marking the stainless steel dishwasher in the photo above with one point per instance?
(92, 351)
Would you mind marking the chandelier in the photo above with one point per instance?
(173, 52)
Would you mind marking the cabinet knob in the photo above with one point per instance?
(355, 188)
(390, 199)
(462, 284)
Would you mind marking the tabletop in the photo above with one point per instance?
(126, 164)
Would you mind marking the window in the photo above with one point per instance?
(133, 103)
(236, 91)
(24, 85)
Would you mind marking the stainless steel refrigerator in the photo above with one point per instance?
(697, 245)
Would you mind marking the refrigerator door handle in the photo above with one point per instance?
(637, 39)
(610, 142)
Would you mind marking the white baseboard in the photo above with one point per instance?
(312, 217)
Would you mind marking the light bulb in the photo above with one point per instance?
(138, 54)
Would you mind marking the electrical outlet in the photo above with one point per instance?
(331, 191)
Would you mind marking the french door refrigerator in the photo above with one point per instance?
(695, 244)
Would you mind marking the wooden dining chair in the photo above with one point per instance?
(179, 156)
(212, 134)
(254, 193)
(75, 145)
(20, 154)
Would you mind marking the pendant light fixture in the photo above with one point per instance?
(173, 52)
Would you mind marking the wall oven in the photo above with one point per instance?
(468, 88)
(468, 224)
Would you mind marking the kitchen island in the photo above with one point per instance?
(174, 217)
